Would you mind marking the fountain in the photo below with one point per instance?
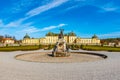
(60, 54)
(61, 48)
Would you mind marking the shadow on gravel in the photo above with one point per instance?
(50, 55)
(96, 54)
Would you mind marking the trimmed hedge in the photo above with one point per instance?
(74, 47)
(19, 48)
(26, 48)
(48, 47)
(99, 48)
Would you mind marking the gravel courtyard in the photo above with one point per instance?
(106, 69)
(46, 57)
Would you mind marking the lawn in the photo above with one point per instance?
(48, 47)
(19, 48)
(100, 48)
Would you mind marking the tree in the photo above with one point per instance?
(41, 46)
(1, 37)
(50, 46)
(14, 38)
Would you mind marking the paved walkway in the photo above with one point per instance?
(11, 69)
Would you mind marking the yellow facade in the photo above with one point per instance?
(30, 41)
(72, 39)
(51, 39)
(54, 39)
(91, 41)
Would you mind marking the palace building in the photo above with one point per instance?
(90, 41)
(30, 41)
(52, 38)
(8, 41)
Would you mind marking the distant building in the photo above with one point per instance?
(52, 38)
(111, 44)
(119, 43)
(90, 41)
(30, 41)
(8, 41)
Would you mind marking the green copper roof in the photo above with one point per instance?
(71, 34)
(27, 36)
(94, 36)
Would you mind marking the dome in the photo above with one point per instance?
(72, 34)
(27, 36)
(94, 36)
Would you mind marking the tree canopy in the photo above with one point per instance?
(56, 34)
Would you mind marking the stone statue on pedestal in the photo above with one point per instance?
(60, 49)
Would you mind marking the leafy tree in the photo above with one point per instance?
(108, 40)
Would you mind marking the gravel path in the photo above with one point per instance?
(45, 57)
(11, 69)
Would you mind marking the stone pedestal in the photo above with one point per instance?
(60, 49)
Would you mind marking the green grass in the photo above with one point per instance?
(19, 48)
(99, 48)
(25, 48)
(48, 47)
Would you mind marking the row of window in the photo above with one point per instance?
(87, 41)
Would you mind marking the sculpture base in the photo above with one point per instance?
(60, 54)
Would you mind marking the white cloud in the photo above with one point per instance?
(48, 28)
(80, 0)
(46, 7)
(32, 29)
(113, 34)
(52, 27)
(1, 23)
(20, 5)
(19, 28)
(104, 35)
(19, 33)
(80, 3)
(72, 7)
(110, 8)
(14, 24)
(61, 25)
(35, 12)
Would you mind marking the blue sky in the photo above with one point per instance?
(37, 17)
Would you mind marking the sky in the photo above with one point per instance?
(37, 17)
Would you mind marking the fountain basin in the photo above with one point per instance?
(46, 57)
